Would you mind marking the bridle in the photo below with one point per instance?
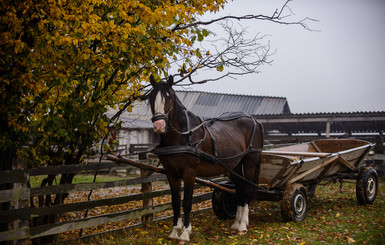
(159, 115)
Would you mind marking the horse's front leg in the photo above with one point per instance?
(175, 185)
(187, 204)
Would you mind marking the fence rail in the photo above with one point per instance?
(27, 212)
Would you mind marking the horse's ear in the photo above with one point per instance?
(152, 81)
(170, 81)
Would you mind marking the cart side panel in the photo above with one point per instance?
(337, 145)
(272, 167)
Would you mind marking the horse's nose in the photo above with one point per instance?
(159, 126)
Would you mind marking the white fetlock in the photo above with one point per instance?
(244, 220)
(185, 236)
(245, 215)
(238, 218)
(176, 229)
(179, 225)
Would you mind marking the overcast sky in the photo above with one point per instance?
(340, 68)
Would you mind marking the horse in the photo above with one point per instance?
(192, 147)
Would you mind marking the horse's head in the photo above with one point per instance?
(162, 98)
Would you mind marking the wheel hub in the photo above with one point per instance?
(299, 204)
(371, 187)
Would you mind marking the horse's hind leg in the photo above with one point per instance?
(175, 185)
(245, 191)
(242, 215)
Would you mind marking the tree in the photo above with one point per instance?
(65, 62)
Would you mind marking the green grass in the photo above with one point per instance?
(333, 218)
(36, 180)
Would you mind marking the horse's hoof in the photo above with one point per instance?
(185, 236)
(235, 226)
(242, 233)
(174, 235)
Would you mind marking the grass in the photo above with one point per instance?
(333, 218)
(36, 180)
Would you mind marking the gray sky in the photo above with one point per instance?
(341, 68)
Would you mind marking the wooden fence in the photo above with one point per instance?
(22, 212)
(19, 216)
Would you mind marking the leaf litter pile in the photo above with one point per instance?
(334, 217)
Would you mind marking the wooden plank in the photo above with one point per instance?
(214, 185)
(293, 153)
(94, 221)
(136, 164)
(14, 194)
(378, 157)
(16, 234)
(12, 176)
(346, 163)
(315, 146)
(11, 215)
(14, 214)
(319, 166)
(57, 189)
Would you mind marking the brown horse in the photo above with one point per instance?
(191, 147)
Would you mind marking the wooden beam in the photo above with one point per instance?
(324, 164)
(294, 153)
(163, 171)
(346, 163)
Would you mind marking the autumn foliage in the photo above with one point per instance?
(64, 62)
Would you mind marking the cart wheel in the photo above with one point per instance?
(224, 204)
(295, 203)
(366, 187)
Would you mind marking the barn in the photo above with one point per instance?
(137, 129)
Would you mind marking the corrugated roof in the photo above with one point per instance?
(207, 105)
(214, 104)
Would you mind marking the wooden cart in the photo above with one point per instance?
(290, 175)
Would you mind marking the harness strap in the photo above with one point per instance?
(168, 150)
(201, 154)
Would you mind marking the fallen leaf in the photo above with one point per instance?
(351, 240)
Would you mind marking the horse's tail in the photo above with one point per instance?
(258, 162)
(260, 127)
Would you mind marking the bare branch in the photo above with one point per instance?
(234, 53)
(276, 17)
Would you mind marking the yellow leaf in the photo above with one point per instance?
(220, 68)
(351, 240)
(338, 215)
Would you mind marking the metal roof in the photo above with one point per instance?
(214, 104)
(208, 105)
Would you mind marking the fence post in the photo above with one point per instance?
(379, 149)
(146, 188)
(18, 163)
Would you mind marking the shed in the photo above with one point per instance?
(137, 127)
